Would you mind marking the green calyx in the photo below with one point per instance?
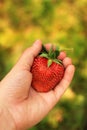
(51, 55)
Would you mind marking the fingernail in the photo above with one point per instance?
(36, 42)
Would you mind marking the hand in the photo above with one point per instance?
(22, 105)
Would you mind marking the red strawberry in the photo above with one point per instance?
(47, 70)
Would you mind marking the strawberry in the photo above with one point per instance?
(47, 70)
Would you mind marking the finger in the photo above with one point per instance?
(67, 61)
(49, 45)
(62, 55)
(29, 54)
(65, 82)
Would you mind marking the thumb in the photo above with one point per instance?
(26, 60)
(16, 83)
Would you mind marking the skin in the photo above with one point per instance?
(21, 107)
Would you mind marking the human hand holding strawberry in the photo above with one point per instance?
(21, 105)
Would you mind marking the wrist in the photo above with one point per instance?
(6, 121)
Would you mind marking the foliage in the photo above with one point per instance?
(63, 23)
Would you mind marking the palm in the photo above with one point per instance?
(32, 103)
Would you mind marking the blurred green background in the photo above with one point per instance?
(60, 22)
